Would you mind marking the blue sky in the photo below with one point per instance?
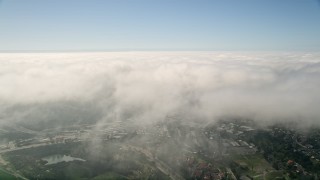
(241, 25)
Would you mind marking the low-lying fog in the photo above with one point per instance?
(58, 88)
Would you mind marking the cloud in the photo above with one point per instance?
(147, 86)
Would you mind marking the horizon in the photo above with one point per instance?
(157, 51)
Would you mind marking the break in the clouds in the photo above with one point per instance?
(148, 86)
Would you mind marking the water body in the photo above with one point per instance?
(57, 158)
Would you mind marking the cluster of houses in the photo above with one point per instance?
(159, 130)
(299, 142)
(8, 145)
(203, 170)
(231, 138)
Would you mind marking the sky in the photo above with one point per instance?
(121, 25)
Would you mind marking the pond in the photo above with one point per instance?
(54, 159)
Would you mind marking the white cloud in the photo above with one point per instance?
(150, 85)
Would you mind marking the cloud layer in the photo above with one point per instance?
(148, 86)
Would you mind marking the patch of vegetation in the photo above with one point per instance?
(5, 175)
(109, 176)
(253, 165)
(276, 175)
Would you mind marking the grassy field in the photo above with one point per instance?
(275, 175)
(256, 166)
(5, 175)
(110, 176)
(254, 162)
